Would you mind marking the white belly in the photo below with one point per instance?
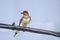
(25, 22)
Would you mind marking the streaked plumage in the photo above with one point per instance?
(24, 21)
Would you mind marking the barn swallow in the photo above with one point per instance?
(24, 21)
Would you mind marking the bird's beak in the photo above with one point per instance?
(21, 13)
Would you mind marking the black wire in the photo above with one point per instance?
(29, 29)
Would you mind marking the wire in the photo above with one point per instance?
(29, 29)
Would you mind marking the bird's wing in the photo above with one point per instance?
(19, 25)
(21, 20)
(30, 19)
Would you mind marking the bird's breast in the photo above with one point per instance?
(26, 20)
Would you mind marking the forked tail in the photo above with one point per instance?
(16, 33)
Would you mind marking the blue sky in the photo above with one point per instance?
(45, 14)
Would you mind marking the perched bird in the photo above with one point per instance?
(24, 21)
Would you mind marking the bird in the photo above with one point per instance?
(24, 21)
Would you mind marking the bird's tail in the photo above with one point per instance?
(16, 33)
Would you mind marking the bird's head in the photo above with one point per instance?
(25, 13)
